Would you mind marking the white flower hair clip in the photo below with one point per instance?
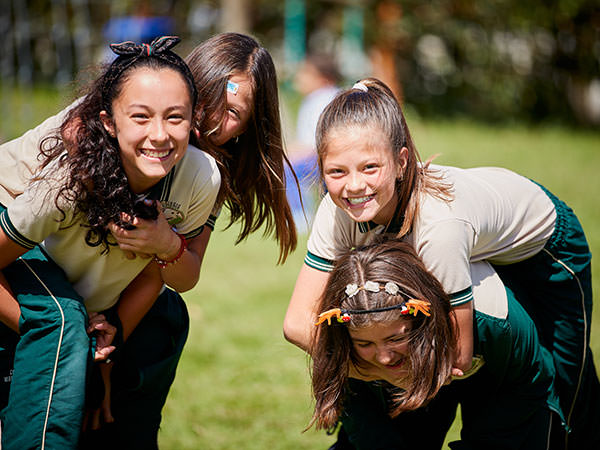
(360, 86)
(410, 306)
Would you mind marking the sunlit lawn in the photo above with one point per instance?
(241, 385)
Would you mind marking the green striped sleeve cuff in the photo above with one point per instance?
(210, 223)
(10, 230)
(192, 234)
(316, 262)
(461, 297)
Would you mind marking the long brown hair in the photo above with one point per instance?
(252, 169)
(376, 106)
(432, 340)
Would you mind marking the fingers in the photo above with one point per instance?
(103, 353)
(107, 414)
(96, 419)
(456, 372)
(98, 322)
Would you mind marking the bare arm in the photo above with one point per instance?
(9, 308)
(301, 315)
(138, 297)
(463, 320)
(184, 280)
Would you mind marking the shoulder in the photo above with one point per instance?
(198, 165)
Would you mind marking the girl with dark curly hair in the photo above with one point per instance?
(383, 313)
(120, 154)
(238, 123)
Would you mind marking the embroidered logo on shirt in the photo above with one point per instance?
(172, 212)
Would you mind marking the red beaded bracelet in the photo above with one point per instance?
(162, 264)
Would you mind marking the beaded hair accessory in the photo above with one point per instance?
(410, 306)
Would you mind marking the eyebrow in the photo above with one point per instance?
(387, 338)
(169, 109)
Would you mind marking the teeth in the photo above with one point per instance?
(156, 153)
(358, 200)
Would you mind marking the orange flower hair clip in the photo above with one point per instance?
(410, 306)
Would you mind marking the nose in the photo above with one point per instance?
(355, 182)
(158, 132)
(384, 356)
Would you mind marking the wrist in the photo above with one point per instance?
(173, 247)
(182, 245)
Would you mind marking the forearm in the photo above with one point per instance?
(299, 322)
(183, 274)
(463, 319)
(137, 299)
(10, 312)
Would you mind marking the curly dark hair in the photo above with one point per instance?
(96, 185)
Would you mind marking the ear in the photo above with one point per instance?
(402, 162)
(108, 123)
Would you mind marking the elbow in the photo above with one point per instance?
(183, 285)
(295, 334)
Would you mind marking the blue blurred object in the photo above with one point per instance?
(138, 28)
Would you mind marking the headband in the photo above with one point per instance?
(129, 52)
(409, 306)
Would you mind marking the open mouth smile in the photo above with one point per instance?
(359, 201)
(158, 154)
(397, 365)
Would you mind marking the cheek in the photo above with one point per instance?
(181, 133)
(363, 353)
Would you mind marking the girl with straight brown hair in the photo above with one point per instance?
(383, 313)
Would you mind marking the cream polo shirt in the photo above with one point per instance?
(187, 195)
(19, 158)
(495, 215)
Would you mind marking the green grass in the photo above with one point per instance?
(239, 383)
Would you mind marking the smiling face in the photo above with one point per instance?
(238, 110)
(360, 172)
(384, 346)
(151, 119)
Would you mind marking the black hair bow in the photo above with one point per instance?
(156, 47)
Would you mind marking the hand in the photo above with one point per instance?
(456, 372)
(105, 333)
(369, 372)
(93, 419)
(461, 363)
(148, 238)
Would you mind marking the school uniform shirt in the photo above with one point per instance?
(494, 214)
(187, 195)
(20, 158)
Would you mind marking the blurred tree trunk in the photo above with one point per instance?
(235, 16)
(383, 51)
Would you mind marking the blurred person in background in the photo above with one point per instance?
(317, 80)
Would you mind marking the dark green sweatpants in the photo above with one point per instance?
(47, 391)
(142, 376)
(555, 287)
(508, 404)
